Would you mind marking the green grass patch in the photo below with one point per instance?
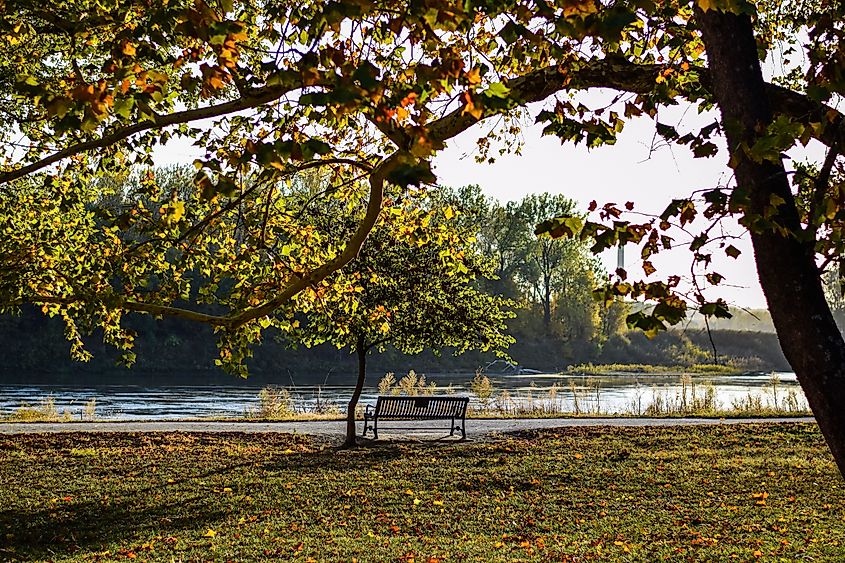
(721, 493)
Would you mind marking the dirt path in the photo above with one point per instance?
(476, 428)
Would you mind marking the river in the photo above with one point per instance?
(561, 393)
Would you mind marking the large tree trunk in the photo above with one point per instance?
(361, 350)
(786, 263)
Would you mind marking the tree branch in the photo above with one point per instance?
(350, 251)
(257, 97)
(820, 187)
(637, 79)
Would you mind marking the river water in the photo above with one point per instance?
(584, 394)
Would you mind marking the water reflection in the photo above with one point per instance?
(582, 393)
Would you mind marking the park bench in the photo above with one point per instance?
(431, 407)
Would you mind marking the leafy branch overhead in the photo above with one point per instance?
(361, 92)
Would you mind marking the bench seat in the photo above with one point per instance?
(420, 407)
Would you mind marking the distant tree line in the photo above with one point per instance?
(547, 282)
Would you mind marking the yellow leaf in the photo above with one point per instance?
(210, 533)
(579, 8)
(474, 76)
(473, 110)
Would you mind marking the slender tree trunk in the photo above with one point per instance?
(547, 307)
(786, 263)
(547, 287)
(361, 350)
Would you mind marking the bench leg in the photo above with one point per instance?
(375, 429)
(452, 429)
(463, 429)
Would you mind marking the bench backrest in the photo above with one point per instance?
(423, 407)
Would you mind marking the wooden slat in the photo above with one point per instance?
(426, 407)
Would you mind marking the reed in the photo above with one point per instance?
(411, 384)
(44, 411)
(274, 403)
(693, 397)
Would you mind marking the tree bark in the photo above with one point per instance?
(547, 304)
(361, 350)
(785, 257)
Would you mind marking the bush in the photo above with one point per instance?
(274, 404)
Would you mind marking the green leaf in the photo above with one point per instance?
(650, 325)
(315, 146)
(498, 90)
(818, 93)
(404, 175)
(718, 309)
(123, 107)
(565, 226)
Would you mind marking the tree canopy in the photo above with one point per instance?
(89, 89)
(369, 87)
(414, 286)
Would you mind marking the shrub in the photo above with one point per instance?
(274, 404)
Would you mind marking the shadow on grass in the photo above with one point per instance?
(51, 532)
(106, 508)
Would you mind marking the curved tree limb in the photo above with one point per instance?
(255, 98)
(636, 79)
(350, 251)
(531, 87)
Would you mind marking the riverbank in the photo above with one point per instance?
(697, 493)
(698, 370)
(476, 427)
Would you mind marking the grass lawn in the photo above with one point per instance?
(766, 492)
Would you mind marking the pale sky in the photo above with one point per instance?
(626, 171)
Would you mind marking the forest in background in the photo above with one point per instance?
(171, 351)
(557, 322)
